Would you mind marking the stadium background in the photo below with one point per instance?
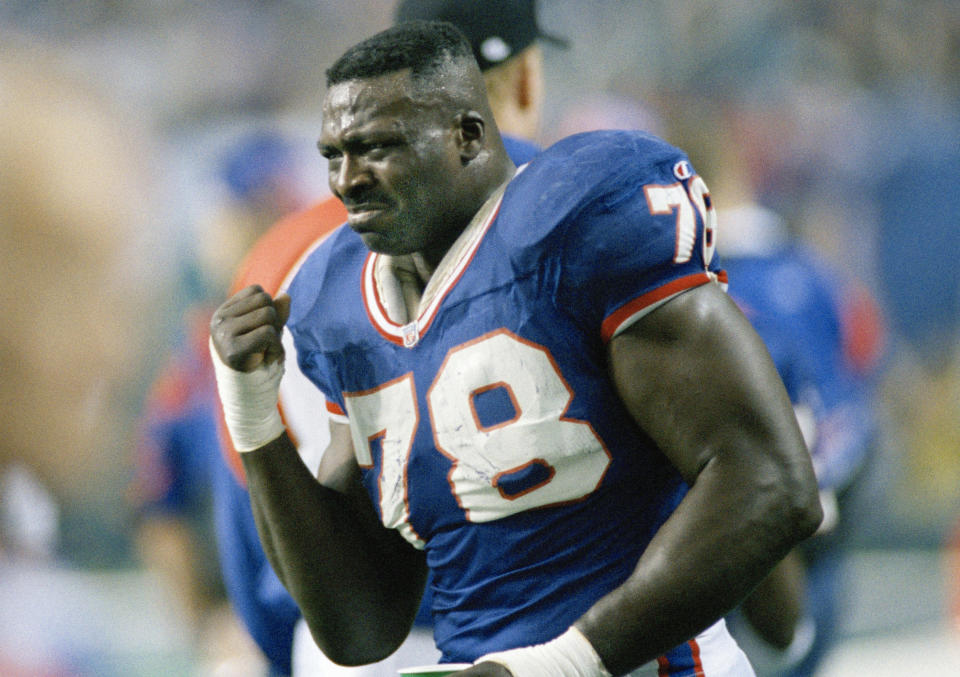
(850, 109)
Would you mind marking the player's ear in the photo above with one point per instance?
(471, 134)
(523, 81)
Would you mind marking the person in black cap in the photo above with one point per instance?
(496, 29)
(505, 38)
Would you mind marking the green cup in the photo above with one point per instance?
(434, 670)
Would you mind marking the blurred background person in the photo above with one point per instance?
(827, 337)
(74, 200)
(177, 491)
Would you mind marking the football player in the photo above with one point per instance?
(550, 401)
(505, 39)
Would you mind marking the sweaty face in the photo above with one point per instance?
(393, 161)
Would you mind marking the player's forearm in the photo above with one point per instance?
(321, 548)
(722, 540)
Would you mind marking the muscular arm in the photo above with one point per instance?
(357, 584)
(698, 380)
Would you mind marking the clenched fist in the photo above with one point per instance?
(247, 327)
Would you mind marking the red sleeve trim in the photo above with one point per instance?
(638, 306)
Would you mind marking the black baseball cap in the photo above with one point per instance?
(496, 29)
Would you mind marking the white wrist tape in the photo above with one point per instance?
(249, 400)
(569, 655)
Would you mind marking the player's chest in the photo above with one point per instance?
(480, 345)
(477, 420)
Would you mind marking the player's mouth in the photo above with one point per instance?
(360, 215)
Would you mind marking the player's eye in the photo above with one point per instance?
(329, 153)
(380, 146)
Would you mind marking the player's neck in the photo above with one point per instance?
(412, 272)
(420, 275)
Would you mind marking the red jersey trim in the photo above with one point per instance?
(636, 308)
(665, 667)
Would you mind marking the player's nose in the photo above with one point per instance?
(351, 173)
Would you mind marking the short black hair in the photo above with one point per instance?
(421, 46)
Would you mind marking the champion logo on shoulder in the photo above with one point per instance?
(682, 170)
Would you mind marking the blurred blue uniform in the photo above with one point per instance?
(257, 595)
(826, 336)
(173, 455)
(486, 429)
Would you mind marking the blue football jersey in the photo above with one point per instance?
(520, 151)
(486, 428)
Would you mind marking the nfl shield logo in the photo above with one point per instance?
(411, 334)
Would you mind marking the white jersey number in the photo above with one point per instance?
(663, 199)
(533, 457)
(562, 459)
(384, 420)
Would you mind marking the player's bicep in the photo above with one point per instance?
(339, 471)
(338, 466)
(699, 381)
